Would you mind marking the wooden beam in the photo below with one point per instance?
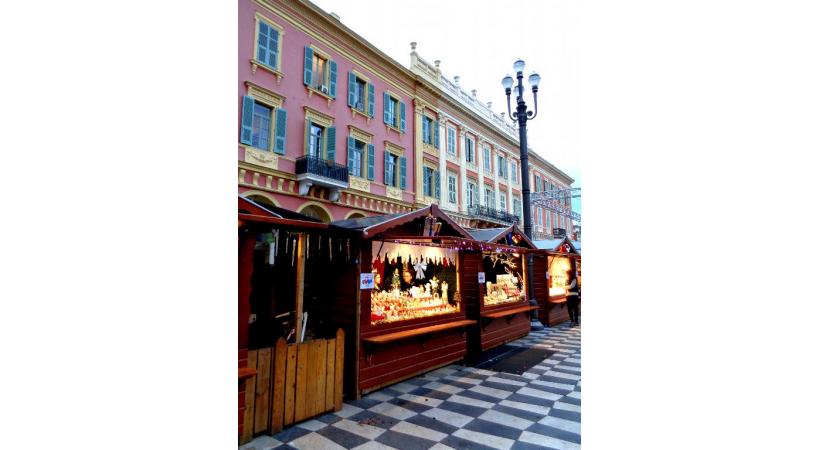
(300, 285)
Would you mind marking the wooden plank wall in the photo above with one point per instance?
(293, 383)
(331, 295)
(539, 284)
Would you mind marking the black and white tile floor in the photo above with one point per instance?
(458, 407)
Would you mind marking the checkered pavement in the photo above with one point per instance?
(459, 407)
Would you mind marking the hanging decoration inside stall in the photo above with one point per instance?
(412, 281)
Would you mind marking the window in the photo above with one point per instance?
(470, 151)
(451, 141)
(395, 169)
(540, 215)
(390, 171)
(320, 72)
(360, 154)
(394, 112)
(472, 194)
(502, 201)
(489, 198)
(451, 187)
(260, 134)
(547, 184)
(360, 94)
(549, 221)
(537, 183)
(315, 140)
(429, 179)
(487, 159)
(428, 129)
(517, 207)
(502, 167)
(268, 45)
(355, 158)
(263, 120)
(514, 171)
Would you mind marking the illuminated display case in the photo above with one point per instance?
(558, 281)
(504, 279)
(412, 281)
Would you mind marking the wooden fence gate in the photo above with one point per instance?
(292, 383)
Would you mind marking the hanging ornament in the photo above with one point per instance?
(347, 243)
(330, 248)
(307, 255)
(293, 253)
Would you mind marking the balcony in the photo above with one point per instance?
(483, 212)
(312, 170)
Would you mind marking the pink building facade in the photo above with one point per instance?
(325, 120)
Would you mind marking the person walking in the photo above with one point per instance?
(573, 298)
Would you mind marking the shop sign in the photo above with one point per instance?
(366, 281)
(481, 277)
(559, 232)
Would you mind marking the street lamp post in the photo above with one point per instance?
(522, 116)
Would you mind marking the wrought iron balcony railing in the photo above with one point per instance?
(324, 168)
(492, 214)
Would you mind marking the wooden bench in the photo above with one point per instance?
(391, 337)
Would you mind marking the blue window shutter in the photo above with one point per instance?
(438, 184)
(331, 144)
(402, 117)
(425, 129)
(436, 135)
(333, 79)
(273, 47)
(351, 143)
(387, 181)
(371, 162)
(386, 111)
(262, 42)
(308, 65)
(247, 120)
(281, 123)
(425, 182)
(307, 136)
(371, 100)
(403, 164)
(351, 89)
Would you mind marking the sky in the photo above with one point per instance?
(479, 40)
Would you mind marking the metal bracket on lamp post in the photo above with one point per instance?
(522, 116)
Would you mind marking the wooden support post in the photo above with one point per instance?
(300, 285)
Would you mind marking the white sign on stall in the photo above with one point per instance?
(366, 281)
(481, 277)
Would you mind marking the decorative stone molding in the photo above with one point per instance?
(359, 184)
(261, 158)
(266, 96)
(394, 193)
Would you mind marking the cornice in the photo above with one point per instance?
(329, 31)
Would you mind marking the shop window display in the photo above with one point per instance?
(412, 281)
(559, 267)
(504, 279)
